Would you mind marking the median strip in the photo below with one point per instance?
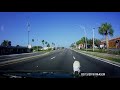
(21, 59)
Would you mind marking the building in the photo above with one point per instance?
(80, 46)
(113, 43)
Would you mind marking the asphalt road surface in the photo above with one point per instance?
(17, 56)
(62, 60)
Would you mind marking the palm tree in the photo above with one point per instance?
(9, 43)
(32, 40)
(78, 42)
(97, 42)
(106, 29)
(53, 44)
(83, 41)
(43, 41)
(46, 43)
(6, 43)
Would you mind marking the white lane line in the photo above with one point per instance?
(73, 57)
(37, 66)
(52, 57)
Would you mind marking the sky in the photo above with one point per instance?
(62, 28)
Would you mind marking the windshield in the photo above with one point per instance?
(59, 44)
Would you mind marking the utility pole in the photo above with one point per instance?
(85, 38)
(93, 39)
(28, 27)
(37, 46)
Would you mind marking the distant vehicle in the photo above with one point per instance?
(95, 47)
(29, 46)
(45, 48)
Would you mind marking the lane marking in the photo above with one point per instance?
(37, 66)
(73, 57)
(52, 57)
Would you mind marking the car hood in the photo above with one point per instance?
(35, 74)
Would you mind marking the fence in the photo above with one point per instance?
(13, 50)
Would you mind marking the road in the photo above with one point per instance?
(62, 60)
(17, 56)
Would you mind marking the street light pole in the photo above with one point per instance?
(28, 31)
(85, 35)
(37, 46)
(93, 39)
(85, 39)
(28, 37)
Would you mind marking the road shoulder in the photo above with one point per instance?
(22, 59)
(99, 58)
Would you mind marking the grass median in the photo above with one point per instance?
(104, 55)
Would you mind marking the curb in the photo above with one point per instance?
(100, 59)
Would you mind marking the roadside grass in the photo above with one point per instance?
(109, 58)
(43, 50)
(95, 50)
(103, 51)
(105, 57)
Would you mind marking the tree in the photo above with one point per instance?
(46, 42)
(106, 29)
(78, 42)
(97, 42)
(48, 45)
(6, 43)
(43, 41)
(17, 45)
(9, 43)
(32, 40)
(53, 44)
(36, 47)
(90, 41)
(72, 45)
(83, 40)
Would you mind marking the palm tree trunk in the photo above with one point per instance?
(107, 43)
